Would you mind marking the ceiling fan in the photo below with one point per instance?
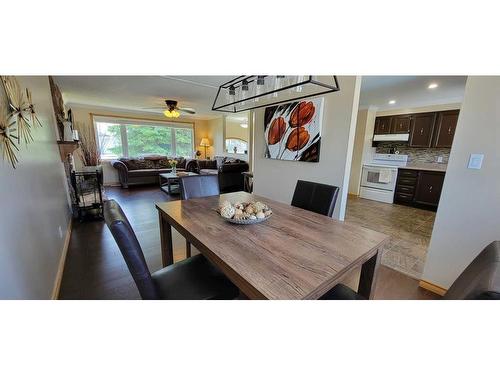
(171, 110)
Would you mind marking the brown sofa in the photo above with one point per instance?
(229, 170)
(138, 171)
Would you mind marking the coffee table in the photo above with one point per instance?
(169, 182)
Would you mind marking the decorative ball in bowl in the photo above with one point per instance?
(244, 213)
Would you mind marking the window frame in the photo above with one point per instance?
(123, 121)
(239, 139)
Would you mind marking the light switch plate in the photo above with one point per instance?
(475, 161)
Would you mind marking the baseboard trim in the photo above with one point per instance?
(432, 287)
(62, 261)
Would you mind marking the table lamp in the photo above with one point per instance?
(205, 143)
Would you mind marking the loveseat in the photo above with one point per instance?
(229, 170)
(136, 171)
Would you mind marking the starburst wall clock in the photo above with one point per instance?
(17, 118)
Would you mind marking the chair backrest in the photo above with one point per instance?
(130, 248)
(481, 278)
(312, 196)
(203, 185)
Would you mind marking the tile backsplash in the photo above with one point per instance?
(425, 155)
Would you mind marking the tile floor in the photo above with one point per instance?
(410, 230)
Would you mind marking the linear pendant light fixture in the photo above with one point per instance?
(249, 92)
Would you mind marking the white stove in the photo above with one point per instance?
(395, 160)
(378, 179)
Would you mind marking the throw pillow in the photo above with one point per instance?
(135, 164)
(163, 163)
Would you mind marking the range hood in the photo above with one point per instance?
(391, 137)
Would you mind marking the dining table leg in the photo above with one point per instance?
(188, 249)
(368, 277)
(167, 253)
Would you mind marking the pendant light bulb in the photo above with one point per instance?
(259, 87)
(244, 91)
(278, 83)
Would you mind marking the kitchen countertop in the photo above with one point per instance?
(434, 167)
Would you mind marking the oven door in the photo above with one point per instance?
(379, 177)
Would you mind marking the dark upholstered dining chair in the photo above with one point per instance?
(193, 278)
(312, 196)
(199, 186)
(480, 280)
(203, 185)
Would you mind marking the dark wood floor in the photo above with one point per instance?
(95, 268)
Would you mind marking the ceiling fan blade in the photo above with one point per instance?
(187, 110)
(155, 107)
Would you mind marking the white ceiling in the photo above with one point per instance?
(410, 91)
(135, 93)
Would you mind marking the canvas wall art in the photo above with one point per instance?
(293, 130)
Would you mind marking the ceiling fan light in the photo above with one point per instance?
(171, 113)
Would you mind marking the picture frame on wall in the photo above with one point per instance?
(292, 130)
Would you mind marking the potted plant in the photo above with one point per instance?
(173, 164)
(89, 152)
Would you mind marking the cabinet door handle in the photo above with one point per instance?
(421, 131)
(430, 188)
(449, 130)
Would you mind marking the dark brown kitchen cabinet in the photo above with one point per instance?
(383, 125)
(401, 124)
(422, 128)
(429, 186)
(418, 188)
(445, 128)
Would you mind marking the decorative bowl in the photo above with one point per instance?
(247, 221)
(245, 212)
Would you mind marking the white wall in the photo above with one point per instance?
(468, 214)
(234, 130)
(363, 149)
(276, 179)
(216, 135)
(34, 208)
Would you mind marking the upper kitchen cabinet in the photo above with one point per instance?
(422, 128)
(445, 128)
(401, 124)
(383, 125)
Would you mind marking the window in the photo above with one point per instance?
(148, 140)
(110, 141)
(236, 146)
(134, 138)
(184, 142)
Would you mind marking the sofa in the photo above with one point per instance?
(229, 170)
(138, 171)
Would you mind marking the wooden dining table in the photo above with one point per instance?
(295, 254)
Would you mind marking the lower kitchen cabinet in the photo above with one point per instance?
(429, 186)
(418, 188)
